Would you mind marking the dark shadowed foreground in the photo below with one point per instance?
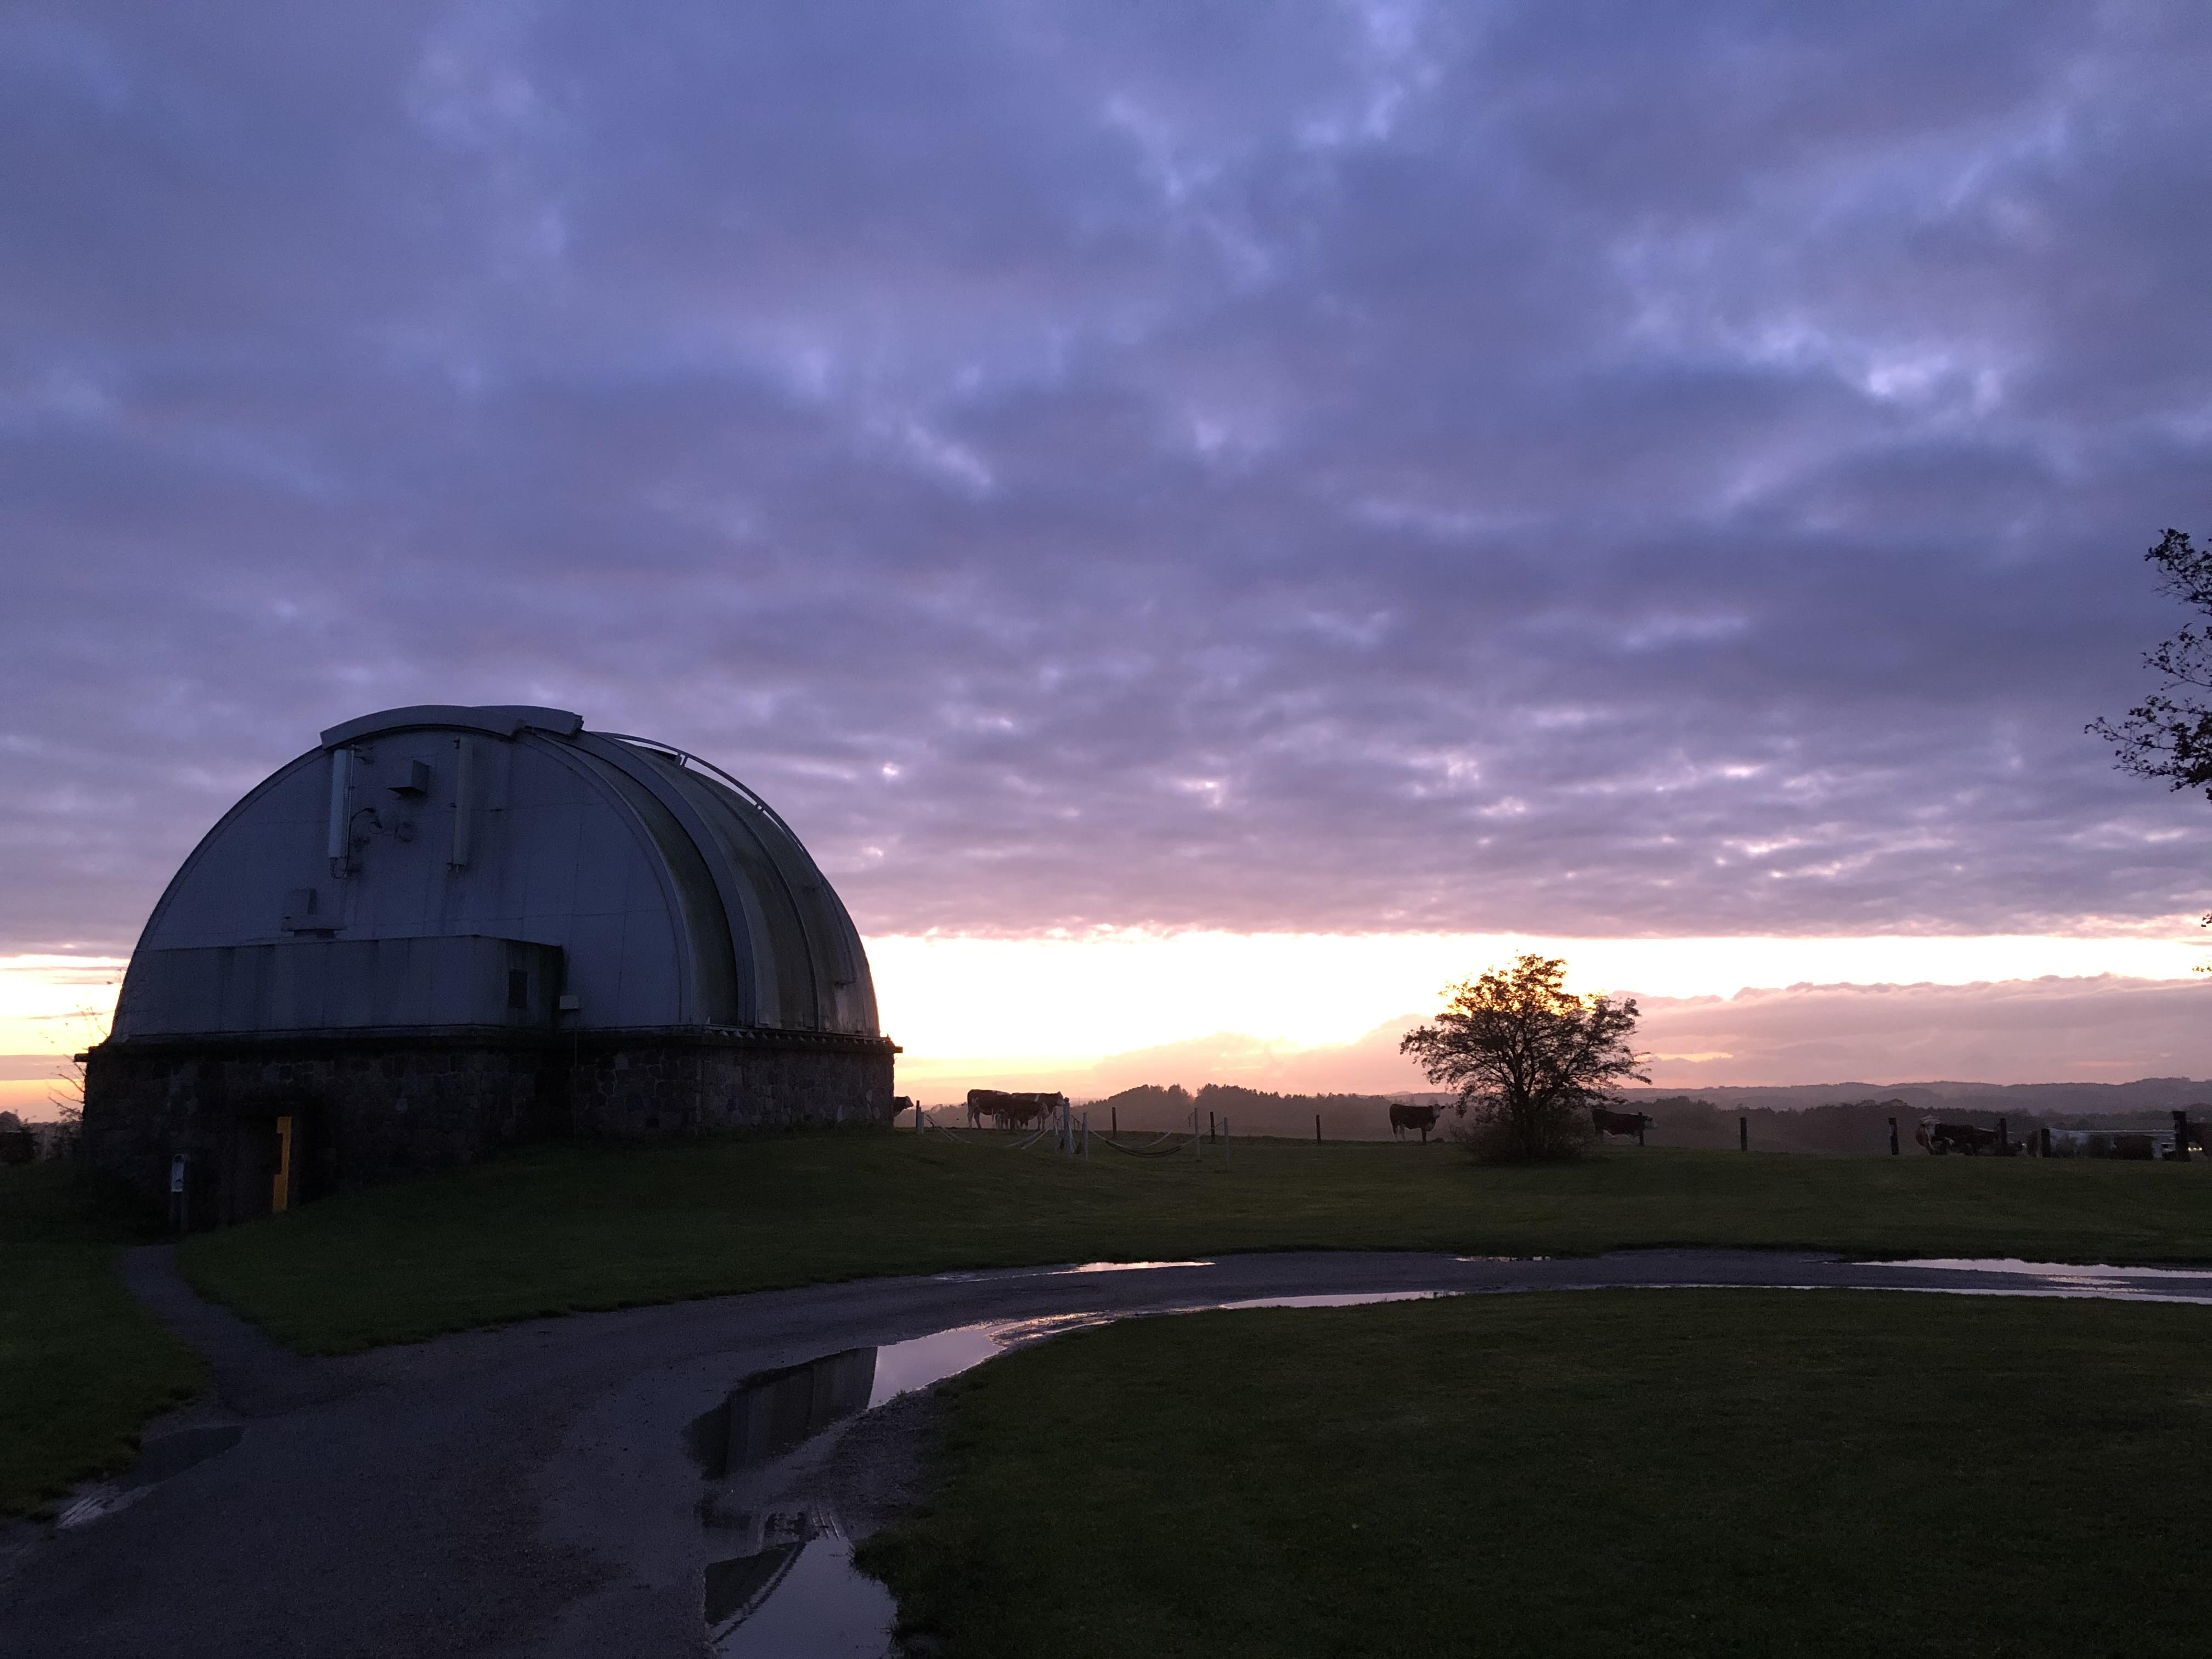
(537, 1491)
(1683, 1473)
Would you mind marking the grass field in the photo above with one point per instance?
(560, 1228)
(1623, 1473)
(81, 1364)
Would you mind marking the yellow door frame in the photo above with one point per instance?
(280, 1185)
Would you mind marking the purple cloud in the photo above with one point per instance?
(1581, 469)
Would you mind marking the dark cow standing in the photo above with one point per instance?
(1011, 1110)
(1423, 1118)
(1619, 1123)
(1967, 1138)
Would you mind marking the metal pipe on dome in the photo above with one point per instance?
(464, 755)
(341, 781)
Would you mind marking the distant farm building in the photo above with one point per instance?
(446, 929)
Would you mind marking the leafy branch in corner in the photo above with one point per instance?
(2169, 734)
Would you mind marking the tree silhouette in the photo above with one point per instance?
(1528, 1057)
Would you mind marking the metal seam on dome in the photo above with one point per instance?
(685, 758)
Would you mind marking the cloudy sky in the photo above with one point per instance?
(1570, 473)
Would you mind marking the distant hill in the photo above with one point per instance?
(1157, 1107)
(1804, 1117)
(2046, 1100)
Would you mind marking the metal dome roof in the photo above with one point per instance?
(675, 894)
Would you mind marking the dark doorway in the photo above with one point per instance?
(273, 1155)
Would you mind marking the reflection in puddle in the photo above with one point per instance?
(1129, 1266)
(736, 1589)
(971, 1277)
(2054, 1291)
(2067, 1280)
(799, 1600)
(771, 1412)
(158, 1459)
(1339, 1301)
(903, 1367)
(2044, 1269)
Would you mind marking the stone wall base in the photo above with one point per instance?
(357, 1112)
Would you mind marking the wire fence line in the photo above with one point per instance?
(1072, 1136)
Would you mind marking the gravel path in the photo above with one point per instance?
(527, 1490)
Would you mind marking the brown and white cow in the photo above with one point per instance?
(1009, 1110)
(1967, 1138)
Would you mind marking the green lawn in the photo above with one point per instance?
(1615, 1473)
(81, 1364)
(560, 1228)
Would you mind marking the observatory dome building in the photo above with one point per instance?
(446, 929)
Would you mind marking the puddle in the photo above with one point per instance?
(903, 1367)
(772, 1411)
(158, 1459)
(2053, 1292)
(2067, 1280)
(971, 1276)
(1129, 1266)
(97, 1503)
(1334, 1301)
(2043, 1269)
(799, 1600)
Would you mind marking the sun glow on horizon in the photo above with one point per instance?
(971, 1010)
(1126, 989)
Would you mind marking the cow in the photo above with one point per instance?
(1007, 1109)
(1967, 1138)
(1619, 1123)
(1423, 1118)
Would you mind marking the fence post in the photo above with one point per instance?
(1316, 1128)
(1210, 1131)
(1743, 1135)
(1892, 1137)
(1115, 1112)
(2043, 1141)
(2181, 1136)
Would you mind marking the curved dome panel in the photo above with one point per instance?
(668, 894)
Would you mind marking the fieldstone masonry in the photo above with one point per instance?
(364, 1111)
